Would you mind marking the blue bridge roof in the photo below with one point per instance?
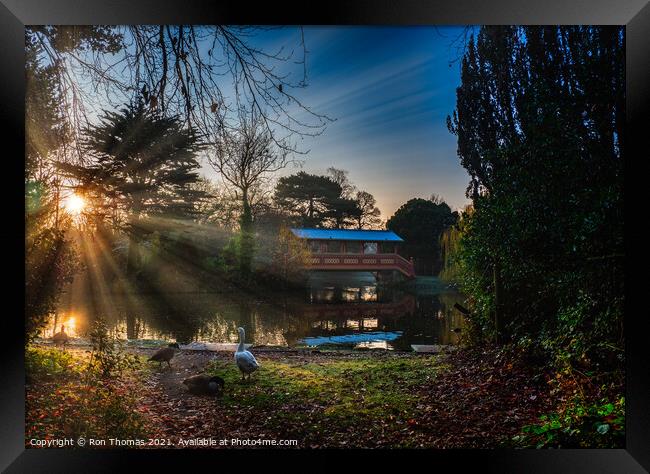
(348, 234)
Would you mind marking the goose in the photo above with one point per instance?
(165, 354)
(61, 338)
(244, 359)
(204, 384)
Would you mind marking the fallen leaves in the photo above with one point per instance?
(326, 399)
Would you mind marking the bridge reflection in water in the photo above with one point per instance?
(350, 304)
(354, 310)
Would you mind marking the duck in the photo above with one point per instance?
(165, 354)
(204, 384)
(244, 359)
(61, 338)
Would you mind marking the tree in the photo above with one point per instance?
(341, 213)
(179, 70)
(143, 163)
(290, 257)
(45, 130)
(326, 201)
(51, 259)
(420, 223)
(341, 178)
(368, 212)
(540, 125)
(245, 158)
(307, 197)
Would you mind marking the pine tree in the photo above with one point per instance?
(143, 163)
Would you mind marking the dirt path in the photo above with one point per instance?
(170, 409)
(469, 398)
(174, 413)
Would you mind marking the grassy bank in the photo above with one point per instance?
(67, 397)
(471, 398)
(333, 400)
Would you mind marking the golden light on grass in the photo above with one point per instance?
(74, 204)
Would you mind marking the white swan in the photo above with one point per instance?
(244, 359)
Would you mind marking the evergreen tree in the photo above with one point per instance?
(420, 222)
(309, 198)
(539, 119)
(143, 163)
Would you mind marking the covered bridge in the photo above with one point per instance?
(355, 250)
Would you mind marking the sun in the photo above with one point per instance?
(74, 204)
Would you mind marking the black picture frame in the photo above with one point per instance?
(14, 14)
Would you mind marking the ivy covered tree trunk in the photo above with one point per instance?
(498, 303)
(246, 243)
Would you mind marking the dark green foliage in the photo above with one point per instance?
(539, 120)
(342, 213)
(183, 254)
(50, 263)
(45, 129)
(325, 201)
(420, 222)
(142, 163)
(597, 425)
(77, 38)
(107, 357)
(50, 258)
(141, 160)
(310, 198)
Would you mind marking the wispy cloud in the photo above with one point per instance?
(390, 90)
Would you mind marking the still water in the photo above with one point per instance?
(338, 309)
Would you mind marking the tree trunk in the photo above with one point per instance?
(310, 211)
(246, 243)
(57, 204)
(133, 257)
(498, 314)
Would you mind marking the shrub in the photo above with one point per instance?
(578, 425)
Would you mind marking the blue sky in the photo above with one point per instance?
(389, 90)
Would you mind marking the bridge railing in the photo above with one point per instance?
(379, 261)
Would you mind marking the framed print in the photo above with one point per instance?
(259, 231)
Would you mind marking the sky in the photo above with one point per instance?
(389, 91)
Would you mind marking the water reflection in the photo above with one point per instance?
(336, 309)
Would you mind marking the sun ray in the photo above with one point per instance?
(74, 204)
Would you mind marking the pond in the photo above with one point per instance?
(339, 309)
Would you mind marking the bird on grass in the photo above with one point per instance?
(244, 359)
(165, 354)
(61, 338)
(204, 384)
